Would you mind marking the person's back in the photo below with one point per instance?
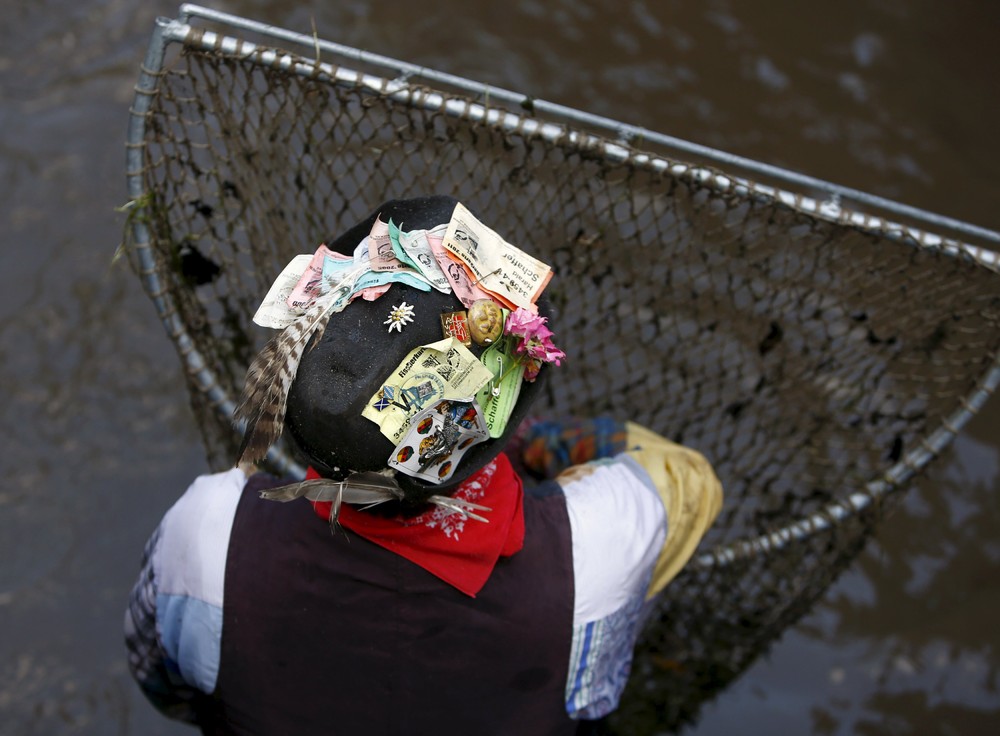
(335, 634)
(251, 617)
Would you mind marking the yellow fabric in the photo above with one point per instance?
(689, 490)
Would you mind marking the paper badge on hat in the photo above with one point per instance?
(437, 439)
(445, 369)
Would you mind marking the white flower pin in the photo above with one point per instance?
(399, 316)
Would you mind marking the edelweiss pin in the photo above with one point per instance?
(399, 316)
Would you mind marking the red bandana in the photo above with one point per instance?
(462, 552)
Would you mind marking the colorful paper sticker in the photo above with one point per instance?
(437, 439)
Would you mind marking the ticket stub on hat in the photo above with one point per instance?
(506, 271)
(274, 311)
(301, 282)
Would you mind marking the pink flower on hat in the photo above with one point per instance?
(534, 341)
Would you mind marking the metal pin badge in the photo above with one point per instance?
(456, 324)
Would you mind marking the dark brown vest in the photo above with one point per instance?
(335, 635)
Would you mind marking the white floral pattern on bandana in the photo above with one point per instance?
(449, 522)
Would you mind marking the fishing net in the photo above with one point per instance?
(816, 360)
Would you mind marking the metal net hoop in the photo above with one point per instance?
(818, 357)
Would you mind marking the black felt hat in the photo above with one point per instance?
(338, 376)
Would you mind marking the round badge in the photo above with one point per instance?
(485, 321)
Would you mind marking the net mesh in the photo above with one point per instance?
(802, 357)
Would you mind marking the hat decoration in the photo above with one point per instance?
(399, 317)
(442, 399)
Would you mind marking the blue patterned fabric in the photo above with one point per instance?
(600, 661)
(156, 674)
(173, 625)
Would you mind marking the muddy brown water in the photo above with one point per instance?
(896, 97)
